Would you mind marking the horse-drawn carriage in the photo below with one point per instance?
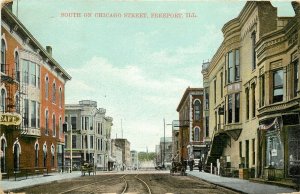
(87, 168)
(178, 167)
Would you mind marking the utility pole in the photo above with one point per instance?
(164, 144)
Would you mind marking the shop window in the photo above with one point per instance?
(294, 151)
(274, 151)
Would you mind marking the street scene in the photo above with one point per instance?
(149, 97)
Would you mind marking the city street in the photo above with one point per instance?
(131, 182)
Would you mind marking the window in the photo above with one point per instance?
(296, 78)
(91, 141)
(54, 125)
(98, 128)
(3, 56)
(73, 123)
(101, 144)
(253, 151)
(277, 86)
(52, 158)
(38, 76)
(197, 134)
(25, 71)
(45, 155)
(73, 141)
(47, 122)
(3, 100)
(253, 100)
(240, 149)
(197, 110)
(221, 88)
(233, 62)
(237, 65)
(36, 163)
(32, 72)
(262, 90)
(47, 87)
(230, 67)
(206, 99)
(101, 128)
(237, 108)
(215, 90)
(26, 112)
(17, 103)
(54, 93)
(60, 127)
(60, 97)
(207, 126)
(16, 152)
(230, 108)
(17, 66)
(253, 38)
(33, 114)
(66, 141)
(247, 103)
(86, 123)
(82, 123)
(38, 114)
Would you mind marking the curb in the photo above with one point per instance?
(219, 185)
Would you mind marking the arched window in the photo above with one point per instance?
(54, 125)
(47, 87)
(54, 93)
(17, 66)
(17, 102)
(45, 154)
(60, 127)
(60, 97)
(46, 122)
(3, 56)
(3, 100)
(52, 155)
(36, 151)
(17, 151)
(3, 161)
(197, 134)
(197, 110)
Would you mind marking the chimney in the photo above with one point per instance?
(49, 50)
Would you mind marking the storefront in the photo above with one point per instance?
(280, 143)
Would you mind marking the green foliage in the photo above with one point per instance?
(144, 156)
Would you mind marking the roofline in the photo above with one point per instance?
(35, 43)
(187, 91)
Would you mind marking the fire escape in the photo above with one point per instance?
(16, 91)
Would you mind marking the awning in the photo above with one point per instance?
(234, 133)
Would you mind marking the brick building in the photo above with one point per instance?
(32, 86)
(191, 136)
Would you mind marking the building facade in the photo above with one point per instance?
(134, 160)
(25, 64)
(251, 93)
(117, 156)
(191, 134)
(124, 144)
(90, 139)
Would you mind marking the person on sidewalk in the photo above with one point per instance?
(191, 164)
(200, 165)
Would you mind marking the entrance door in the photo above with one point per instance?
(3, 150)
(16, 157)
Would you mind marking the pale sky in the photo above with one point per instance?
(135, 68)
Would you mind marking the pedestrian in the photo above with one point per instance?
(200, 165)
(191, 164)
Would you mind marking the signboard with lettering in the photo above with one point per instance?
(10, 119)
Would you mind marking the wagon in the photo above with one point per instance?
(86, 168)
(177, 167)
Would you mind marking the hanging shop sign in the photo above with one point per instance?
(10, 119)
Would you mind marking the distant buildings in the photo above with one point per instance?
(32, 95)
(124, 144)
(164, 151)
(91, 133)
(116, 156)
(134, 160)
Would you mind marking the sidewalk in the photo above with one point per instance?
(7, 185)
(240, 185)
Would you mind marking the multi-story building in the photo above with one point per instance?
(165, 151)
(191, 134)
(90, 138)
(124, 144)
(175, 141)
(134, 160)
(32, 91)
(117, 156)
(253, 115)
